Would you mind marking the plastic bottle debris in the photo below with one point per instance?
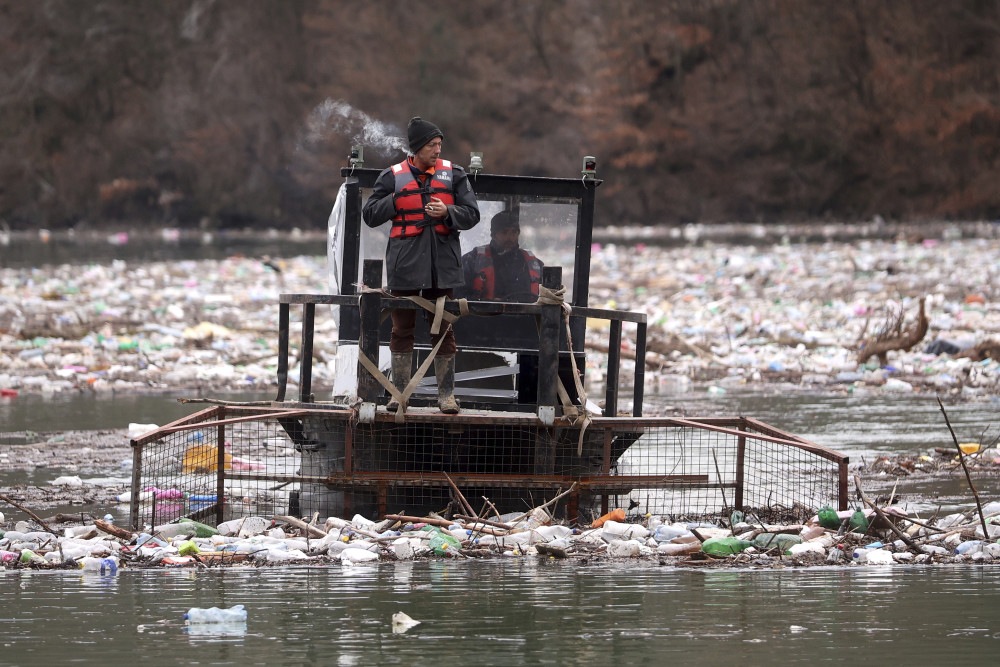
(67, 480)
(169, 530)
(443, 544)
(678, 549)
(970, 547)
(781, 542)
(401, 622)
(828, 518)
(201, 529)
(234, 614)
(858, 522)
(354, 555)
(102, 565)
(188, 548)
(613, 515)
(627, 531)
(873, 556)
(724, 546)
(669, 532)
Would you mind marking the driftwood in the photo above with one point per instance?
(987, 349)
(28, 512)
(461, 498)
(658, 350)
(893, 337)
(881, 515)
(302, 525)
(112, 529)
(549, 550)
(968, 477)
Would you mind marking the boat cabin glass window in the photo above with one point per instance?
(548, 230)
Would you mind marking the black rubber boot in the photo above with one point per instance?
(444, 369)
(402, 371)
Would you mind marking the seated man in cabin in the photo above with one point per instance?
(502, 270)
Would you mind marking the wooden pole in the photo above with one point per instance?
(461, 498)
(968, 477)
(28, 512)
(878, 511)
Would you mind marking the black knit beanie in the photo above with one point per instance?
(503, 220)
(419, 133)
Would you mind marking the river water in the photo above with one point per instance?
(534, 611)
(507, 612)
(530, 610)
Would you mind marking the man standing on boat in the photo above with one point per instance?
(429, 201)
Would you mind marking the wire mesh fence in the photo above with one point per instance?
(310, 461)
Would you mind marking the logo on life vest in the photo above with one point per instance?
(442, 175)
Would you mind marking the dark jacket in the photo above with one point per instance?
(428, 259)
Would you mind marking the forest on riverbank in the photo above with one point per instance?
(231, 114)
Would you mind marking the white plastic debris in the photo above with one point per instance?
(355, 555)
(67, 480)
(401, 622)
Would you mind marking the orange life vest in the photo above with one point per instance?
(484, 275)
(410, 198)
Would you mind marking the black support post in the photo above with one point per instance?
(282, 351)
(614, 362)
(548, 342)
(639, 387)
(306, 353)
(368, 343)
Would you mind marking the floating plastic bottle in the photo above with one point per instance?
(235, 614)
(828, 518)
(613, 515)
(188, 548)
(169, 530)
(102, 565)
(858, 522)
(782, 542)
(442, 544)
(201, 529)
(666, 533)
(678, 549)
(969, 547)
(724, 546)
(29, 556)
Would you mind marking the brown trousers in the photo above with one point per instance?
(404, 322)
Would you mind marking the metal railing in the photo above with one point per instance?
(371, 304)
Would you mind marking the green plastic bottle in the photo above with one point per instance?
(201, 529)
(724, 546)
(442, 544)
(859, 522)
(828, 517)
(779, 541)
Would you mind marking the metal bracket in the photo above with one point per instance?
(547, 414)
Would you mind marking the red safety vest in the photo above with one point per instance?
(484, 276)
(410, 198)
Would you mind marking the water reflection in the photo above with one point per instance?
(509, 612)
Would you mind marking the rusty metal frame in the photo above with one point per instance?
(602, 482)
